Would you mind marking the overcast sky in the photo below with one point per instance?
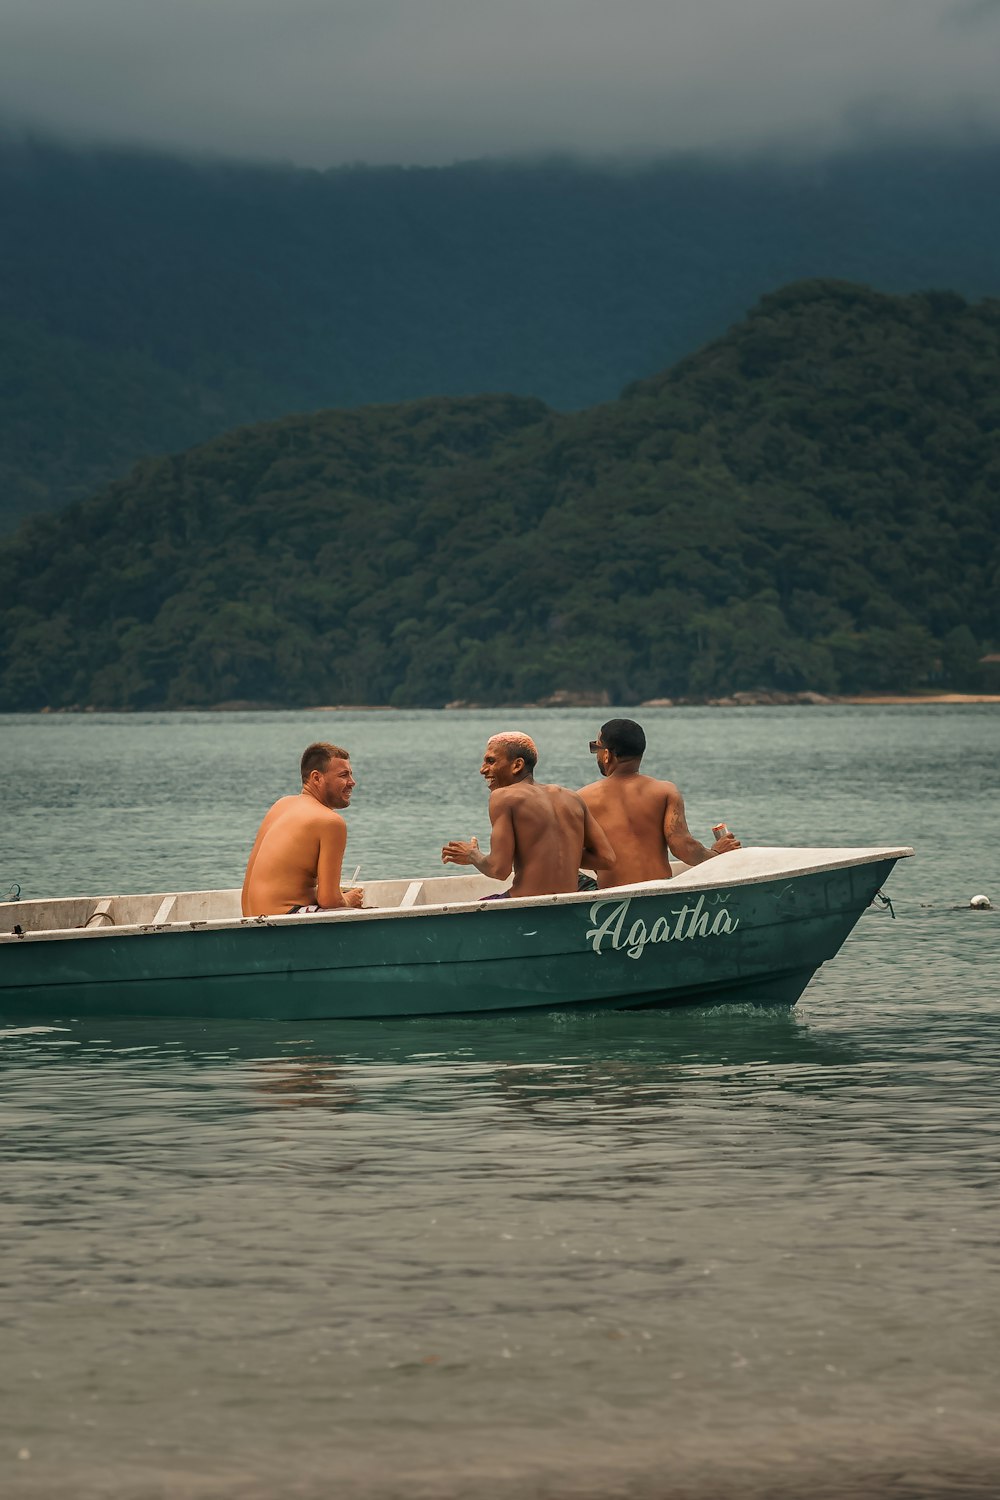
(327, 81)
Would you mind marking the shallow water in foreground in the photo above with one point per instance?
(704, 1252)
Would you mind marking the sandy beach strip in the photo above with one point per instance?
(949, 698)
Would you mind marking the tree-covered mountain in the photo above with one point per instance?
(811, 501)
(148, 303)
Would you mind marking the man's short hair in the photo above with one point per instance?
(317, 757)
(514, 744)
(624, 738)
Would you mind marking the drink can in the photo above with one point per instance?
(719, 831)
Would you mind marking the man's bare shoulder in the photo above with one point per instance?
(565, 792)
(503, 796)
(277, 811)
(306, 811)
(553, 792)
(621, 786)
(666, 787)
(324, 817)
(284, 805)
(657, 796)
(511, 799)
(528, 793)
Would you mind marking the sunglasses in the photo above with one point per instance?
(596, 745)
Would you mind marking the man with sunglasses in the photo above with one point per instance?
(642, 817)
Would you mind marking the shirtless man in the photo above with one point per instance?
(296, 860)
(643, 818)
(542, 833)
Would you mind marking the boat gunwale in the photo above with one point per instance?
(690, 880)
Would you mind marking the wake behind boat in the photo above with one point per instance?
(752, 925)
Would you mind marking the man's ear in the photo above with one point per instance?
(517, 764)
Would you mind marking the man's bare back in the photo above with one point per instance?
(298, 853)
(540, 831)
(547, 825)
(634, 813)
(643, 818)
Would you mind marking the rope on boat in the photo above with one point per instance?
(101, 914)
(13, 891)
(883, 901)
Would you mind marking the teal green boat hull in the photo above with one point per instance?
(757, 940)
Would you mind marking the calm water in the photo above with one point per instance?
(705, 1253)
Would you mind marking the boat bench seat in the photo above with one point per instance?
(411, 894)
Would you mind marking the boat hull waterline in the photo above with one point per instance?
(751, 926)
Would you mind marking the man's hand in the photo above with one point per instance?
(354, 896)
(461, 852)
(726, 843)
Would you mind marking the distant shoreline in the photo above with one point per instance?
(739, 700)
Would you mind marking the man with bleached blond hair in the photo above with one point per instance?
(541, 832)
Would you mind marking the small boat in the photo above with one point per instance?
(751, 926)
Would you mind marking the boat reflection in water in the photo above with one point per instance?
(553, 1068)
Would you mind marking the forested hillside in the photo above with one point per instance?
(147, 304)
(810, 502)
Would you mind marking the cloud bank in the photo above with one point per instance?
(322, 82)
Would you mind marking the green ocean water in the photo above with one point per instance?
(705, 1252)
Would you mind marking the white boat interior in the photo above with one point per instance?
(90, 916)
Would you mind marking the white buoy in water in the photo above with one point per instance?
(981, 903)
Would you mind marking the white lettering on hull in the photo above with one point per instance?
(614, 930)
